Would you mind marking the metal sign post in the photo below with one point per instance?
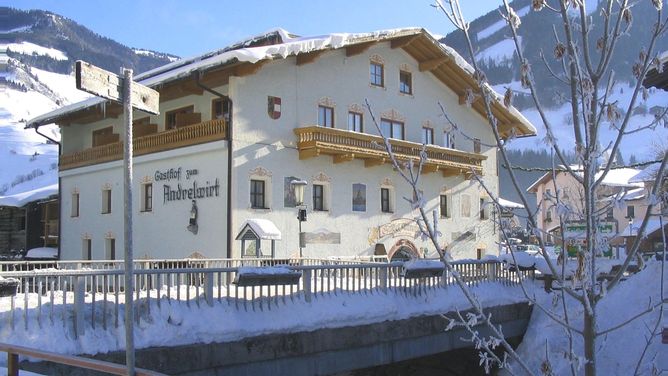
(105, 84)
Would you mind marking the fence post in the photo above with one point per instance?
(491, 272)
(79, 300)
(208, 288)
(12, 364)
(444, 277)
(307, 285)
(383, 279)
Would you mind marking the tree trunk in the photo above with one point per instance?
(590, 341)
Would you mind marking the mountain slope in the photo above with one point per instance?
(37, 54)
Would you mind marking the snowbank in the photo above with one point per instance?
(618, 351)
(20, 199)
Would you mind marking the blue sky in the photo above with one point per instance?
(187, 28)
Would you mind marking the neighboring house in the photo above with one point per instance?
(29, 220)
(618, 199)
(238, 125)
(653, 240)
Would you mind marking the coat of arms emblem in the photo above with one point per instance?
(274, 107)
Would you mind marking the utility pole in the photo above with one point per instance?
(101, 83)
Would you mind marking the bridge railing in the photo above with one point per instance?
(92, 298)
(16, 266)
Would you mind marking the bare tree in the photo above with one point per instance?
(582, 65)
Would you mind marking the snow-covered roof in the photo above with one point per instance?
(509, 204)
(646, 174)
(634, 194)
(21, 199)
(620, 177)
(42, 253)
(263, 228)
(653, 224)
(289, 46)
(616, 177)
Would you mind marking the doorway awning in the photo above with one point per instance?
(262, 228)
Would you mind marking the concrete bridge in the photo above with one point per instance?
(90, 300)
(320, 352)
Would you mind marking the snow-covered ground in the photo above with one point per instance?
(642, 144)
(27, 162)
(618, 351)
(177, 323)
(27, 48)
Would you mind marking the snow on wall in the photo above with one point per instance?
(27, 48)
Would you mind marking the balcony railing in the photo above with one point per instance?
(345, 146)
(212, 130)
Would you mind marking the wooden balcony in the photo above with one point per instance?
(345, 146)
(212, 130)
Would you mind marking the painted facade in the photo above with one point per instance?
(363, 207)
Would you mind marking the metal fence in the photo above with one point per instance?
(93, 297)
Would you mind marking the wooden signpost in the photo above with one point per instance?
(102, 83)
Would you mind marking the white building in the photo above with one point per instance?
(238, 124)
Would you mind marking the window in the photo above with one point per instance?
(445, 213)
(466, 205)
(392, 129)
(385, 206)
(376, 74)
(630, 212)
(405, 82)
(483, 211)
(449, 140)
(355, 122)
(257, 194)
(476, 145)
(87, 249)
(548, 216)
(359, 197)
(318, 197)
(110, 252)
(427, 136)
(75, 205)
(326, 116)
(171, 116)
(609, 214)
(220, 109)
(147, 197)
(106, 201)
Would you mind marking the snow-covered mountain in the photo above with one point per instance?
(495, 52)
(37, 54)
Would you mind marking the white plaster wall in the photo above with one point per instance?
(161, 233)
(271, 144)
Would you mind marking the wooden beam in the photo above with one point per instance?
(431, 64)
(248, 68)
(403, 41)
(427, 169)
(308, 153)
(462, 98)
(451, 172)
(357, 49)
(340, 158)
(306, 58)
(373, 162)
